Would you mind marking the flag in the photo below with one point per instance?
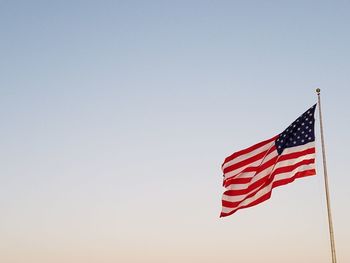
(251, 174)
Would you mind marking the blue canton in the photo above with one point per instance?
(300, 132)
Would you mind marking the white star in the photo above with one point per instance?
(302, 140)
(307, 127)
(295, 142)
(298, 137)
(310, 130)
(302, 123)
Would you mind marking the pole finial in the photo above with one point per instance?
(318, 90)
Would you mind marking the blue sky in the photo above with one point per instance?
(116, 117)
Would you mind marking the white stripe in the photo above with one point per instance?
(277, 177)
(255, 177)
(290, 162)
(248, 155)
(264, 190)
(262, 174)
(287, 175)
(271, 155)
(236, 172)
(298, 148)
(269, 170)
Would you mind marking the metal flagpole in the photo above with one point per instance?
(330, 224)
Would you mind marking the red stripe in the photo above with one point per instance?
(256, 169)
(296, 176)
(266, 180)
(251, 187)
(245, 180)
(289, 168)
(235, 204)
(249, 149)
(272, 161)
(247, 161)
(268, 195)
(295, 155)
(258, 201)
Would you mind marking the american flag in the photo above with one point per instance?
(251, 174)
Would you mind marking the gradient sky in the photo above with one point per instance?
(116, 117)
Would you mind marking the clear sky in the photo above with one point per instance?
(116, 117)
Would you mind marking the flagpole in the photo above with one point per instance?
(330, 223)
